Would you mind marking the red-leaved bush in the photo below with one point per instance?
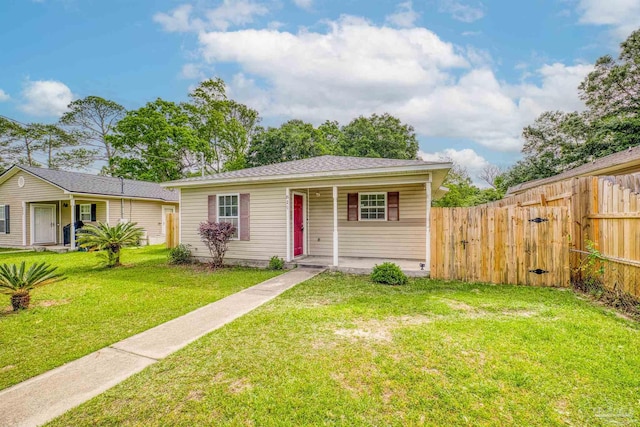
(216, 236)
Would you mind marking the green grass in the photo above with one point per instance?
(339, 350)
(96, 307)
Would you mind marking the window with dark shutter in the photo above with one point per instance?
(4, 219)
(212, 215)
(352, 206)
(245, 217)
(393, 206)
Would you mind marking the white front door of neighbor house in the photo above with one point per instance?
(44, 224)
(166, 210)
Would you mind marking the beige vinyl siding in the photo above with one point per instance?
(400, 239)
(267, 221)
(146, 213)
(34, 189)
(405, 238)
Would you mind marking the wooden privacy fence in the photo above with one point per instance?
(527, 246)
(171, 232)
(605, 213)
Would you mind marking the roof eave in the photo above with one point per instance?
(397, 170)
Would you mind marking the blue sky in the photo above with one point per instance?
(468, 75)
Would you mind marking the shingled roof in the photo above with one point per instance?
(620, 163)
(314, 165)
(75, 182)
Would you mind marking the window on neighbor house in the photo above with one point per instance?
(85, 212)
(373, 206)
(3, 220)
(228, 211)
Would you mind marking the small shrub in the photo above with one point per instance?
(388, 273)
(18, 282)
(276, 263)
(181, 254)
(216, 236)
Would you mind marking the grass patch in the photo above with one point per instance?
(341, 350)
(96, 307)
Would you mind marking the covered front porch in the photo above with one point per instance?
(364, 265)
(352, 227)
(52, 223)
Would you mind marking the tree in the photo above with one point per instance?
(25, 140)
(18, 282)
(379, 136)
(225, 127)
(155, 143)
(93, 119)
(293, 140)
(110, 239)
(462, 191)
(490, 174)
(59, 149)
(558, 141)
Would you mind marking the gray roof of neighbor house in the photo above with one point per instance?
(75, 182)
(315, 165)
(620, 163)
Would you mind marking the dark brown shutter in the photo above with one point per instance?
(352, 207)
(213, 204)
(77, 212)
(7, 219)
(245, 216)
(93, 212)
(393, 206)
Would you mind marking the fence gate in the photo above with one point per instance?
(527, 246)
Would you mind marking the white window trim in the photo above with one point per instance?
(4, 219)
(81, 206)
(218, 212)
(371, 194)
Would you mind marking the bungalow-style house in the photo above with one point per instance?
(323, 210)
(41, 207)
(624, 162)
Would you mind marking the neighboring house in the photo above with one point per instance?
(621, 163)
(36, 204)
(328, 207)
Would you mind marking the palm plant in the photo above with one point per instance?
(18, 281)
(110, 239)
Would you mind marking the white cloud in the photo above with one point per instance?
(304, 4)
(357, 68)
(191, 71)
(466, 158)
(404, 16)
(46, 98)
(230, 13)
(623, 16)
(4, 96)
(462, 12)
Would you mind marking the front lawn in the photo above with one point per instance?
(96, 307)
(341, 350)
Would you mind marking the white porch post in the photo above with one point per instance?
(288, 222)
(24, 223)
(107, 209)
(427, 258)
(335, 226)
(59, 220)
(72, 231)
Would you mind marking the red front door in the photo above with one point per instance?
(298, 226)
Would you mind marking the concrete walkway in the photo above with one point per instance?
(42, 398)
